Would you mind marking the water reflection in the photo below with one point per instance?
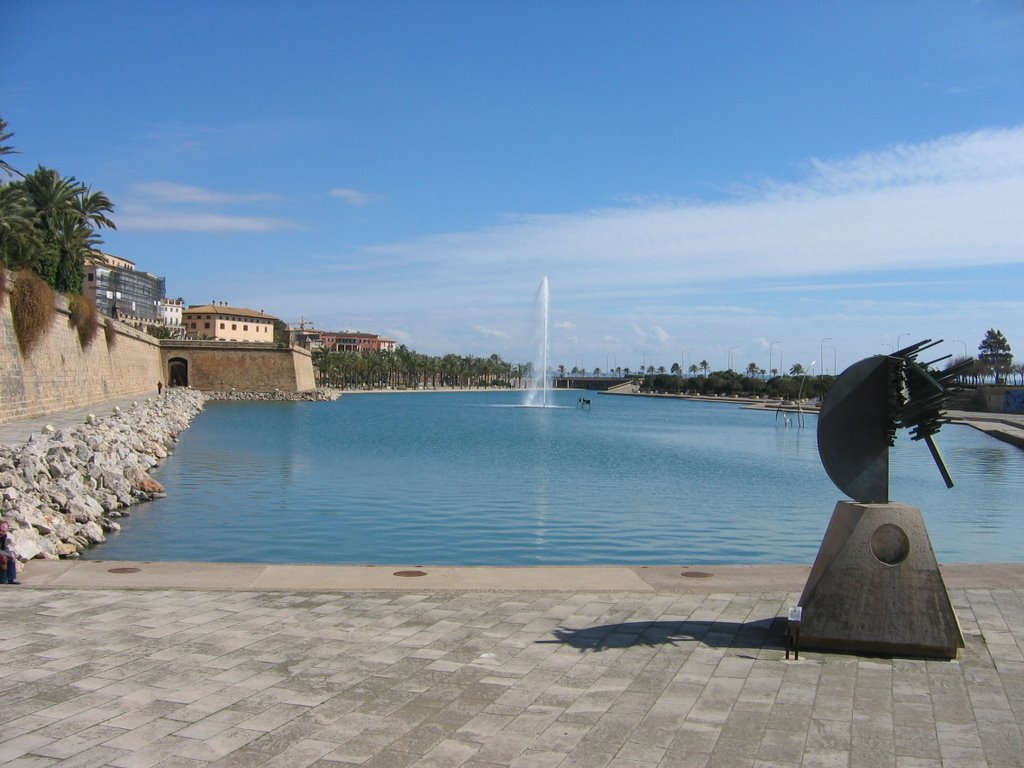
(440, 479)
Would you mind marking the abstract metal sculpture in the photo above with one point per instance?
(868, 403)
(875, 585)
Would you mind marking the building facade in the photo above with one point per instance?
(120, 291)
(223, 323)
(352, 341)
(170, 311)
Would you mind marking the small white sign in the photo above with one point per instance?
(796, 613)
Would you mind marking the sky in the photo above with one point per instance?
(735, 182)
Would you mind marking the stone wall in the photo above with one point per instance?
(1001, 399)
(241, 366)
(60, 374)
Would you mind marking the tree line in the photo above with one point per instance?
(403, 368)
(49, 223)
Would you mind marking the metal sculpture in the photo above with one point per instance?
(875, 584)
(868, 403)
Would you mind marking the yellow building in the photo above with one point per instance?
(224, 323)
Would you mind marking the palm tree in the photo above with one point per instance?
(704, 367)
(67, 215)
(20, 241)
(796, 370)
(6, 149)
(752, 370)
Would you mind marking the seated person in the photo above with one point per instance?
(9, 574)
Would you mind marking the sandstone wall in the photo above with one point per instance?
(242, 366)
(60, 374)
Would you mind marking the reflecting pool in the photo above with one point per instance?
(469, 479)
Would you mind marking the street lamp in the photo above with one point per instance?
(730, 356)
(687, 353)
(898, 346)
(964, 343)
(821, 352)
(835, 368)
(770, 347)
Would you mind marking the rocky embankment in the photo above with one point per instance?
(62, 492)
(321, 394)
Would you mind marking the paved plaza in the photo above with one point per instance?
(144, 664)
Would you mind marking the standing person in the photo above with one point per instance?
(159, 388)
(10, 572)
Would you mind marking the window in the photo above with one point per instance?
(245, 327)
(193, 326)
(222, 326)
(206, 325)
(234, 327)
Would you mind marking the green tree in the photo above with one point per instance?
(796, 370)
(995, 354)
(49, 222)
(6, 149)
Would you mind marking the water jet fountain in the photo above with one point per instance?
(537, 394)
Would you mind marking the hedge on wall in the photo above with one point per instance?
(110, 332)
(32, 308)
(83, 318)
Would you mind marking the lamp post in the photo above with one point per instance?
(958, 341)
(898, 345)
(835, 368)
(730, 356)
(821, 352)
(770, 347)
(687, 353)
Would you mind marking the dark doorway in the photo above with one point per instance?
(178, 368)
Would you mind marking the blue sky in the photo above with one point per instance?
(696, 180)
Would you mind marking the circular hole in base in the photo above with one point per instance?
(123, 570)
(409, 573)
(889, 543)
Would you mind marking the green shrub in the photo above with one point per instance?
(110, 332)
(83, 318)
(32, 307)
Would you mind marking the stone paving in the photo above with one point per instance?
(526, 679)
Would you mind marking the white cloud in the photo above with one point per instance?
(171, 192)
(354, 196)
(950, 202)
(153, 221)
(165, 206)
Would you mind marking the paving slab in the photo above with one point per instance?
(216, 664)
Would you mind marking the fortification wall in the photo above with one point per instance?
(60, 374)
(242, 366)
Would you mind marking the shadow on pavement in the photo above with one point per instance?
(766, 633)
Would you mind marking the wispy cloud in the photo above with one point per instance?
(354, 196)
(165, 206)
(951, 202)
(170, 192)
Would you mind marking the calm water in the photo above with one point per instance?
(467, 479)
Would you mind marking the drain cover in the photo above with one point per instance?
(696, 574)
(123, 570)
(409, 573)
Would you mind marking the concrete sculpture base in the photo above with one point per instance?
(875, 586)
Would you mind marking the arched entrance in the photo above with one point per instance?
(178, 369)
